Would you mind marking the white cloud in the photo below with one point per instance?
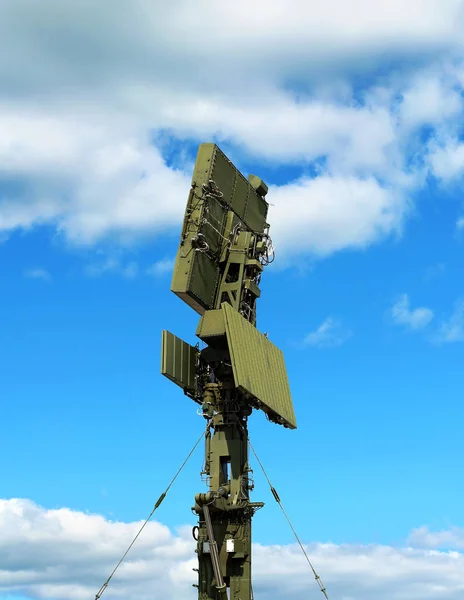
(115, 263)
(112, 265)
(460, 223)
(430, 100)
(86, 90)
(452, 330)
(125, 43)
(65, 554)
(449, 539)
(326, 214)
(38, 273)
(415, 319)
(298, 41)
(93, 181)
(329, 334)
(447, 159)
(122, 186)
(161, 267)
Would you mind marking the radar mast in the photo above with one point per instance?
(224, 247)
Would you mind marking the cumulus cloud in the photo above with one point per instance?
(67, 555)
(452, 329)
(142, 41)
(430, 99)
(329, 334)
(414, 319)
(61, 554)
(326, 214)
(447, 159)
(123, 186)
(90, 95)
(422, 537)
(118, 184)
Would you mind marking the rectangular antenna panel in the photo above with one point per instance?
(259, 368)
(178, 361)
(197, 274)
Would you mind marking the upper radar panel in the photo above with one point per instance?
(220, 202)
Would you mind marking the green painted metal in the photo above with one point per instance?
(178, 361)
(211, 326)
(228, 502)
(211, 214)
(259, 368)
(223, 250)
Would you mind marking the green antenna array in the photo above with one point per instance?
(223, 250)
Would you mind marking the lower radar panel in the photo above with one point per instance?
(178, 361)
(259, 368)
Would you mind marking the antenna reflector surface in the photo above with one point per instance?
(220, 199)
(259, 368)
(178, 361)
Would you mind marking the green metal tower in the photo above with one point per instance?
(223, 250)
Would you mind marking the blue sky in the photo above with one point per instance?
(93, 426)
(361, 143)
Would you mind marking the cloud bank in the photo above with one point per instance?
(62, 554)
(93, 98)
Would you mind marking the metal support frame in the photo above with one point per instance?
(225, 511)
(224, 247)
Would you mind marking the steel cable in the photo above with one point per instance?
(157, 504)
(279, 502)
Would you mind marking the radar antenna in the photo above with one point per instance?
(224, 247)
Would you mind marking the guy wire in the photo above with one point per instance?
(279, 502)
(158, 502)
